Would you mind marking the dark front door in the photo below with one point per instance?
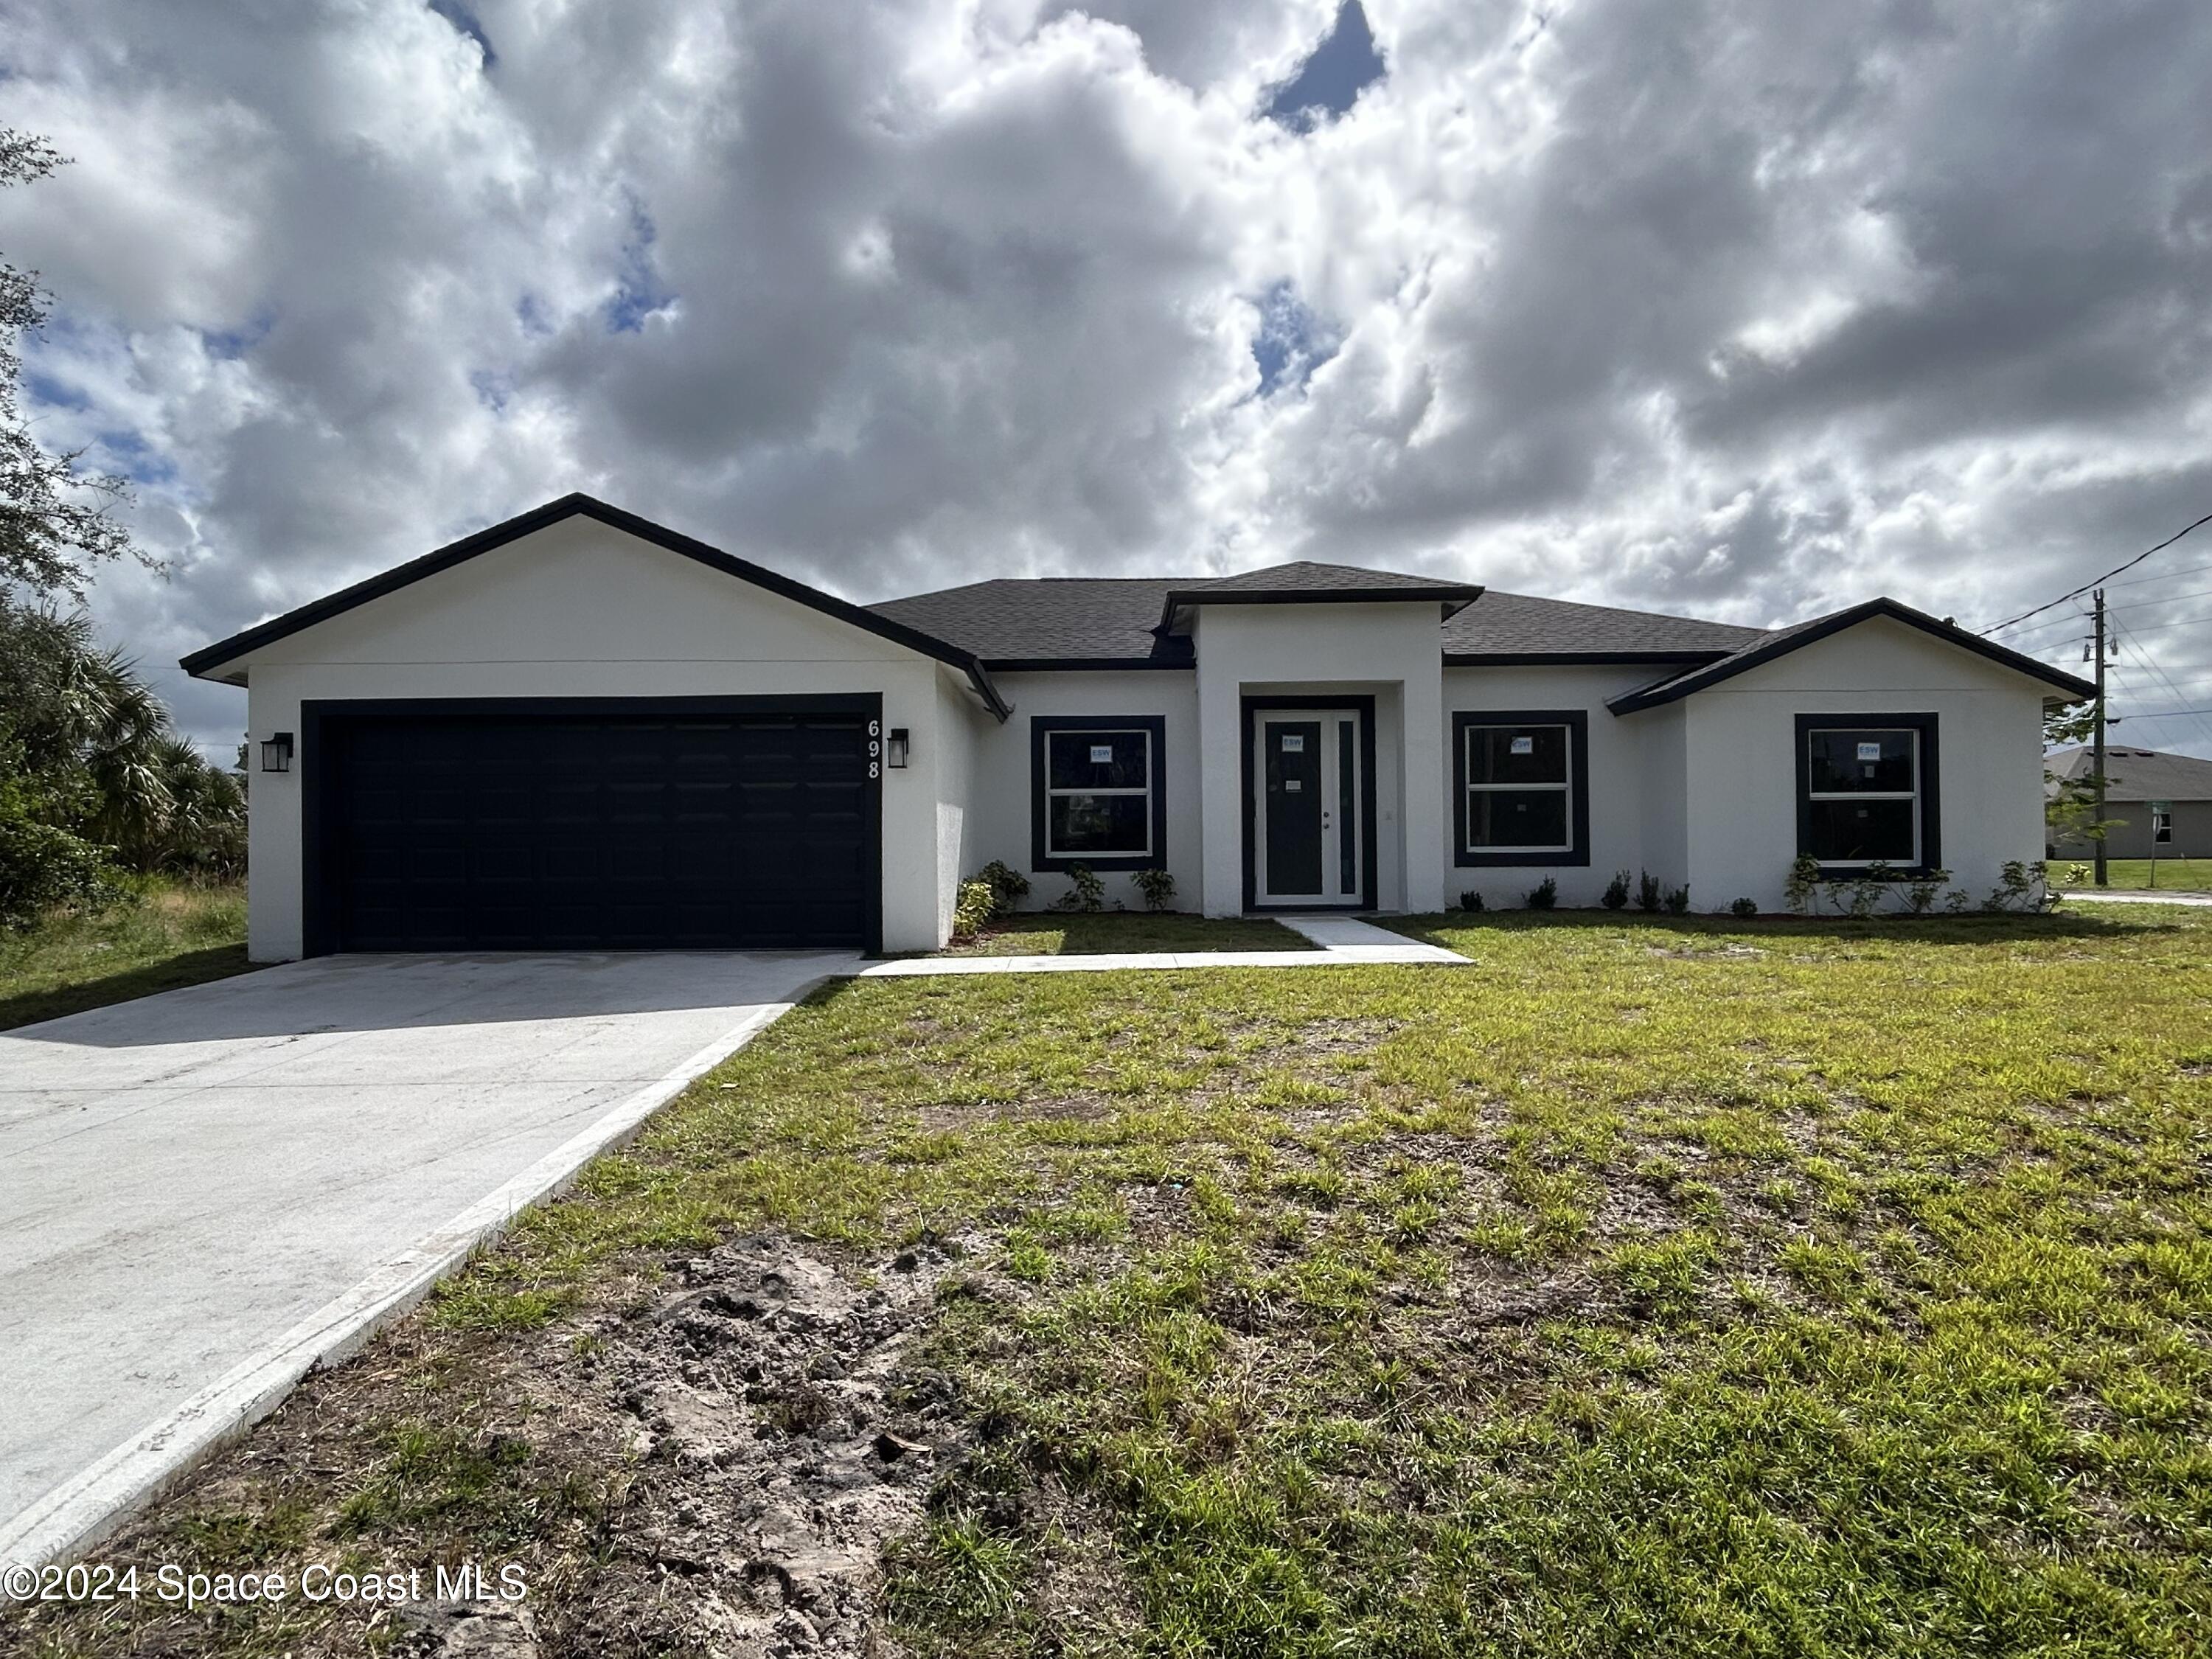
(1291, 752)
(1312, 806)
(634, 831)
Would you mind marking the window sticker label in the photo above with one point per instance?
(1869, 751)
(1292, 785)
(1294, 743)
(1102, 753)
(1524, 746)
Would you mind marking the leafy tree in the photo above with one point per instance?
(92, 772)
(56, 522)
(2070, 807)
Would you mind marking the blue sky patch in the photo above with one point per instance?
(129, 453)
(1329, 81)
(465, 22)
(638, 292)
(1292, 342)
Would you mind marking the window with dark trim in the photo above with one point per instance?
(1096, 791)
(1866, 792)
(1521, 787)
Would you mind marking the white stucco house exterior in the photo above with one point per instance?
(579, 730)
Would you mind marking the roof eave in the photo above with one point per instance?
(201, 663)
(1453, 596)
(2072, 690)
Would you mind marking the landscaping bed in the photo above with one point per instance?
(1675, 1286)
(1110, 932)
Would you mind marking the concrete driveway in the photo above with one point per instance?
(186, 1178)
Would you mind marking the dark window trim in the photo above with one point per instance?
(1576, 721)
(1364, 707)
(319, 907)
(1042, 726)
(1931, 847)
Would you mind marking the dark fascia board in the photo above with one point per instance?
(1578, 659)
(198, 663)
(1081, 664)
(1455, 597)
(1728, 667)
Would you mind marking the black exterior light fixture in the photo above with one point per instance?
(894, 751)
(277, 753)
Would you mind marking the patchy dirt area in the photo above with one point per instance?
(784, 1443)
(746, 1417)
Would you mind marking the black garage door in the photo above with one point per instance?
(546, 827)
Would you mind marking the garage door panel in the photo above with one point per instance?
(514, 831)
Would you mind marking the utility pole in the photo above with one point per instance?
(2097, 751)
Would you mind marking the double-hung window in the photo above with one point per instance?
(2161, 825)
(1095, 792)
(1866, 791)
(1521, 783)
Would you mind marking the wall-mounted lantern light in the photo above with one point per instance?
(277, 753)
(894, 751)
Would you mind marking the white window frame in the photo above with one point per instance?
(1566, 786)
(2161, 827)
(1090, 734)
(1912, 794)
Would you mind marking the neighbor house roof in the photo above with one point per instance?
(2140, 774)
(1783, 641)
(210, 658)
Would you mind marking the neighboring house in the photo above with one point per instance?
(577, 729)
(2156, 805)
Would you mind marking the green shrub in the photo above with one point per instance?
(1743, 907)
(1616, 891)
(1009, 886)
(973, 908)
(1647, 890)
(1470, 900)
(1544, 894)
(1677, 900)
(1802, 885)
(1158, 888)
(1085, 892)
(44, 867)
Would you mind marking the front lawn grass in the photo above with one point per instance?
(1108, 932)
(166, 935)
(1651, 1286)
(2183, 875)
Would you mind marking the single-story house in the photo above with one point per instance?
(578, 729)
(2156, 805)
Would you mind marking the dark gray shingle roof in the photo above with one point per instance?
(2141, 774)
(1047, 619)
(1112, 619)
(1304, 576)
(1518, 625)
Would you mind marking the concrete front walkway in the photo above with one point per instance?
(1341, 941)
(201, 1191)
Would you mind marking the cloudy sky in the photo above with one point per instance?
(1744, 310)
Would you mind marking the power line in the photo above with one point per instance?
(2129, 645)
(2156, 715)
(2076, 593)
(2162, 576)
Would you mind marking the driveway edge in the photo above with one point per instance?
(93, 1503)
